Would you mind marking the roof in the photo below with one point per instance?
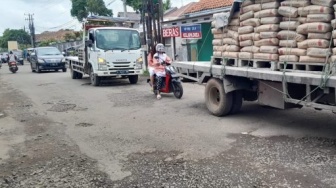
(209, 4)
(130, 15)
(173, 14)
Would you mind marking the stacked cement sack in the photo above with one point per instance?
(225, 41)
(288, 36)
(333, 24)
(265, 35)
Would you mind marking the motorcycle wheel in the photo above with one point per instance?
(178, 90)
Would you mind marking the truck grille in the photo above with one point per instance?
(121, 64)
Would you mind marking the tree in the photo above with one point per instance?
(82, 8)
(19, 35)
(137, 4)
(46, 42)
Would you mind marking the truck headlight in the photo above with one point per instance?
(139, 60)
(101, 60)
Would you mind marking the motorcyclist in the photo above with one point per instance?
(11, 57)
(159, 69)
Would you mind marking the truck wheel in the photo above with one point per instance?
(73, 74)
(95, 80)
(217, 101)
(237, 101)
(64, 69)
(178, 90)
(79, 75)
(133, 79)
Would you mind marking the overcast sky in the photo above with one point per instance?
(51, 14)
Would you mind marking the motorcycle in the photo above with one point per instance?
(171, 84)
(13, 66)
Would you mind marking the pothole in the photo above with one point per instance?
(62, 107)
(84, 124)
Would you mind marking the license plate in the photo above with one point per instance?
(122, 72)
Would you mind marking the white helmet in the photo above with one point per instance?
(160, 48)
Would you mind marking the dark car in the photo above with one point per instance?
(47, 58)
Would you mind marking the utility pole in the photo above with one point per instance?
(30, 19)
(125, 8)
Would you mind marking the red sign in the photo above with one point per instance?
(171, 32)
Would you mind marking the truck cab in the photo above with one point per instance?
(109, 52)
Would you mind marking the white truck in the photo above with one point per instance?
(230, 81)
(111, 49)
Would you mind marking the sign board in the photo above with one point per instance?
(191, 31)
(171, 32)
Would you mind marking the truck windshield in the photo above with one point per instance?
(117, 39)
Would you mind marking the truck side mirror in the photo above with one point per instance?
(88, 43)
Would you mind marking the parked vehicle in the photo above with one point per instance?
(172, 83)
(109, 52)
(47, 58)
(19, 55)
(13, 66)
(4, 57)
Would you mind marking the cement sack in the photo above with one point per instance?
(216, 31)
(297, 4)
(267, 35)
(334, 51)
(250, 36)
(213, 23)
(266, 28)
(288, 43)
(269, 49)
(290, 35)
(217, 54)
(319, 36)
(233, 28)
(318, 52)
(334, 34)
(292, 51)
(314, 9)
(319, 18)
(245, 30)
(217, 42)
(333, 23)
(287, 11)
(302, 20)
(288, 58)
(270, 20)
(230, 41)
(299, 19)
(221, 36)
(234, 22)
(246, 16)
(271, 5)
(313, 43)
(267, 42)
(219, 48)
(308, 59)
(326, 3)
(291, 25)
(269, 57)
(266, 13)
(250, 22)
(314, 28)
(332, 59)
(245, 55)
(251, 49)
(232, 48)
(231, 54)
(254, 7)
(246, 43)
(233, 34)
(247, 3)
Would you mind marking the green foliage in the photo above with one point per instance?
(47, 42)
(137, 4)
(18, 35)
(82, 8)
(69, 36)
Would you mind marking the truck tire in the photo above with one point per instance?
(217, 101)
(73, 74)
(133, 79)
(79, 75)
(95, 80)
(237, 101)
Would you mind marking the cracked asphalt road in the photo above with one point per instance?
(59, 132)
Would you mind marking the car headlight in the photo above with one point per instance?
(101, 60)
(40, 61)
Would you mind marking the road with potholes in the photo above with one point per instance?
(59, 132)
